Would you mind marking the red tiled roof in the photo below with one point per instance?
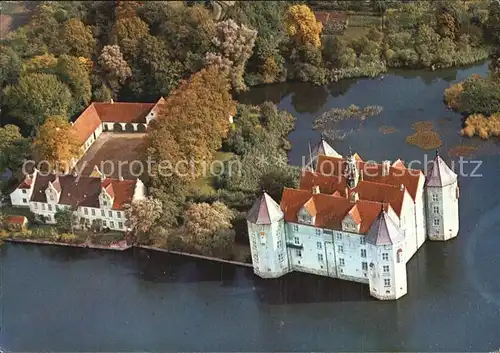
(85, 125)
(331, 210)
(123, 191)
(410, 178)
(84, 191)
(19, 220)
(121, 112)
(26, 183)
(367, 190)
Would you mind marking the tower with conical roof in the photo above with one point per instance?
(266, 232)
(387, 266)
(322, 147)
(442, 194)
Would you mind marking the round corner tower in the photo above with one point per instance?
(441, 195)
(266, 232)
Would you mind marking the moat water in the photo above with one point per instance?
(57, 299)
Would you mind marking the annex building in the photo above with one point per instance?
(354, 220)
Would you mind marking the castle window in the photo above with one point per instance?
(296, 240)
(93, 212)
(363, 253)
(120, 225)
(281, 257)
(102, 213)
(24, 191)
(318, 231)
(110, 214)
(320, 257)
(298, 252)
(119, 214)
(400, 255)
(43, 206)
(255, 258)
(436, 221)
(341, 262)
(112, 224)
(104, 203)
(86, 211)
(279, 244)
(295, 228)
(387, 282)
(362, 240)
(386, 269)
(341, 249)
(50, 207)
(104, 223)
(25, 201)
(319, 246)
(364, 266)
(435, 209)
(339, 236)
(35, 205)
(435, 197)
(385, 256)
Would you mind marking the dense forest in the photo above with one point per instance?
(199, 55)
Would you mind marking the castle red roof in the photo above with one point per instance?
(373, 172)
(330, 209)
(17, 220)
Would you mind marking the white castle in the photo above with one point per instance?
(354, 220)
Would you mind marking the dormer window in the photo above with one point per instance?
(105, 203)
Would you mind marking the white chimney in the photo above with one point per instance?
(401, 187)
(315, 190)
(386, 165)
(111, 101)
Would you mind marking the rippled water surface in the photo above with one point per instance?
(56, 299)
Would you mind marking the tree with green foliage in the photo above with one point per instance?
(266, 65)
(65, 219)
(76, 39)
(493, 36)
(10, 66)
(154, 70)
(75, 73)
(276, 180)
(102, 94)
(188, 33)
(14, 148)
(37, 96)
(43, 29)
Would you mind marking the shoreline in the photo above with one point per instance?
(122, 246)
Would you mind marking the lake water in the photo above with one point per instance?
(56, 299)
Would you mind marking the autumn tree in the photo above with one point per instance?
(193, 121)
(129, 28)
(76, 38)
(208, 228)
(37, 96)
(235, 43)
(14, 148)
(113, 67)
(43, 29)
(40, 63)
(57, 144)
(142, 216)
(302, 26)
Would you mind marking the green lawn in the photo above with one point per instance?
(205, 185)
(354, 32)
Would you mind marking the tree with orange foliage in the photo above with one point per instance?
(193, 121)
(57, 144)
(129, 28)
(302, 26)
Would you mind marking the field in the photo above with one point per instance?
(115, 155)
(205, 184)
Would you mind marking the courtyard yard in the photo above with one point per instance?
(115, 155)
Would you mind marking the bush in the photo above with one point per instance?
(452, 95)
(480, 95)
(478, 124)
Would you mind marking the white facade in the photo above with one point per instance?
(377, 257)
(21, 196)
